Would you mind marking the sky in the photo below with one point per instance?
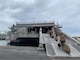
(65, 12)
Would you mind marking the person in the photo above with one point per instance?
(62, 38)
(50, 32)
(67, 49)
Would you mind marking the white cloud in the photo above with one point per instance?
(66, 12)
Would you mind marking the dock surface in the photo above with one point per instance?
(26, 53)
(21, 53)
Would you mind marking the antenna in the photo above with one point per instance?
(57, 24)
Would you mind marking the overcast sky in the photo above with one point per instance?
(66, 12)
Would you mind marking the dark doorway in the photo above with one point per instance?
(45, 29)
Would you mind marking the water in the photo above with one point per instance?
(3, 42)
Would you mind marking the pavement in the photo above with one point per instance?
(21, 53)
(26, 53)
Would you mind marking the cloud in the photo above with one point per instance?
(66, 12)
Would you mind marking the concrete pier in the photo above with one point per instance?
(26, 53)
(22, 53)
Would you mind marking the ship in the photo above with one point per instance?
(28, 33)
(44, 36)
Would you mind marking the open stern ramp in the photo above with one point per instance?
(52, 48)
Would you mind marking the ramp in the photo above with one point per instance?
(49, 50)
(74, 52)
(71, 40)
(58, 50)
(53, 50)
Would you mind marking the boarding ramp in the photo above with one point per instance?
(75, 43)
(52, 48)
(72, 40)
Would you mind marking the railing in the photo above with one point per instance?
(34, 22)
